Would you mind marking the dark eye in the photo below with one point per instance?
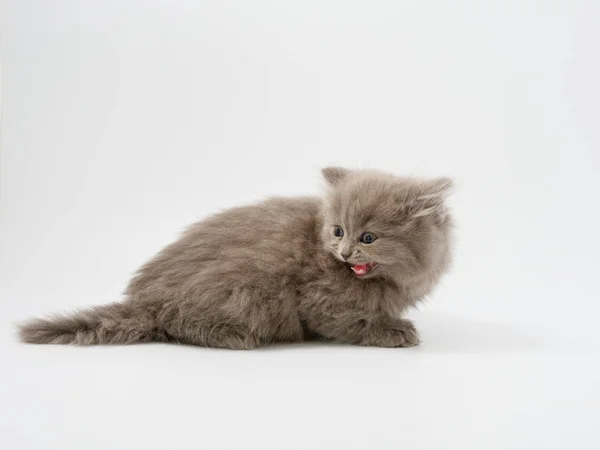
(338, 231)
(367, 238)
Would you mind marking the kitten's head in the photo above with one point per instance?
(385, 226)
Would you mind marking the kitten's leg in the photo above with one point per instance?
(242, 318)
(376, 330)
(227, 335)
(212, 333)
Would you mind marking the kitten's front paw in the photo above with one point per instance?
(402, 333)
(405, 333)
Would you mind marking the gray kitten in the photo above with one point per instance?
(344, 267)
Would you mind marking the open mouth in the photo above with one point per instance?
(360, 270)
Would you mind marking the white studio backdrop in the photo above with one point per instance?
(124, 121)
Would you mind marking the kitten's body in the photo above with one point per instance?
(272, 272)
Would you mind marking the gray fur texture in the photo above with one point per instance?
(344, 267)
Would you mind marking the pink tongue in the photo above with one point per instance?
(360, 269)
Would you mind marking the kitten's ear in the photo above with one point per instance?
(333, 175)
(438, 187)
(433, 196)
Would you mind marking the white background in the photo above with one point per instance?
(124, 121)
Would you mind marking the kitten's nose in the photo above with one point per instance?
(345, 255)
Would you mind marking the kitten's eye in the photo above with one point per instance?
(367, 238)
(338, 231)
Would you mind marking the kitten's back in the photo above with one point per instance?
(267, 238)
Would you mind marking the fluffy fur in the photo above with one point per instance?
(281, 271)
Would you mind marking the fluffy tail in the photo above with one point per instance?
(116, 323)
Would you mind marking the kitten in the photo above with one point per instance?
(344, 267)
